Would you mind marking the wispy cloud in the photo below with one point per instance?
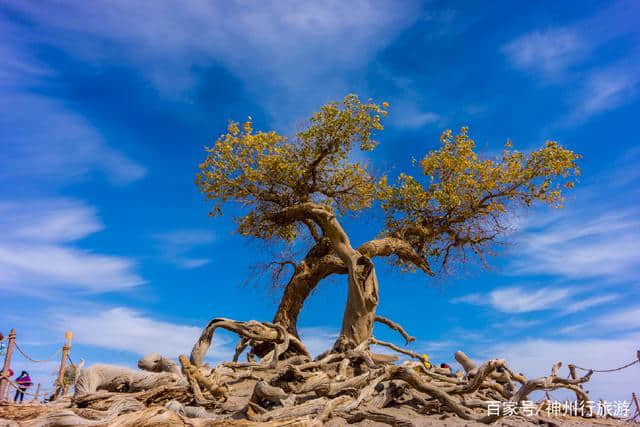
(583, 244)
(125, 329)
(49, 220)
(516, 324)
(607, 89)
(409, 115)
(561, 55)
(318, 339)
(258, 44)
(518, 299)
(42, 138)
(581, 305)
(52, 142)
(622, 320)
(549, 52)
(36, 255)
(176, 245)
(626, 319)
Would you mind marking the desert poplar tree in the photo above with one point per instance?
(453, 203)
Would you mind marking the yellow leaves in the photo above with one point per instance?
(266, 172)
(233, 128)
(247, 126)
(465, 191)
(455, 191)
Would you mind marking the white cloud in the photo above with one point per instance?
(38, 266)
(571, 329)
(515, 324)
(284, 45)
(574, 307)
(36, 255)
(583, 244)
(318, 339)
(548, 52)
(186, 237)
(44, 140)
(607, 89)
(623, 320)
(534, 357)
(518, 299)
(176, 245)
(409, 115)
(53, 220)
(563, 54)
(41, 138)
(128, 330)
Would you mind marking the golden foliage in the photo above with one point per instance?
(459, 200)
(464, 197)
(268, 172)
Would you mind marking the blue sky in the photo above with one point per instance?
(106, 108)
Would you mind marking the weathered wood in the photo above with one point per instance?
(352, 385)
(7, 363)
(61, 386)
(396, 327)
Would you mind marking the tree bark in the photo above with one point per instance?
(317, 265)
(362, 301)
(362, 296)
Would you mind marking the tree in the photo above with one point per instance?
(301, 186)
(297, 190)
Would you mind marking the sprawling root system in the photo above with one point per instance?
(288, 387)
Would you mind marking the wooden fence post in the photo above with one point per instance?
(7, 363)
(35, 398)
(8, 395)
(60, 386)
(635, 400)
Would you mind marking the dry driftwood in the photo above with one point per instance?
(116, 378)
(339, 386)
(155, 362)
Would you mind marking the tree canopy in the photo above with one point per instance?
(455, 202)
(268, 172)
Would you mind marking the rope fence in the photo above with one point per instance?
(26, 356)
(41, 393)
(60, 387)
(609, 370)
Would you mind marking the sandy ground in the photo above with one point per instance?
(17, 415)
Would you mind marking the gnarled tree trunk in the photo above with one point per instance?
(317, 265)
(362, 297)
(362, 301)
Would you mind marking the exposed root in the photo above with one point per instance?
(155, 362)
(396, 327)
(252, 330)
(118, 379)
(337, 387)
